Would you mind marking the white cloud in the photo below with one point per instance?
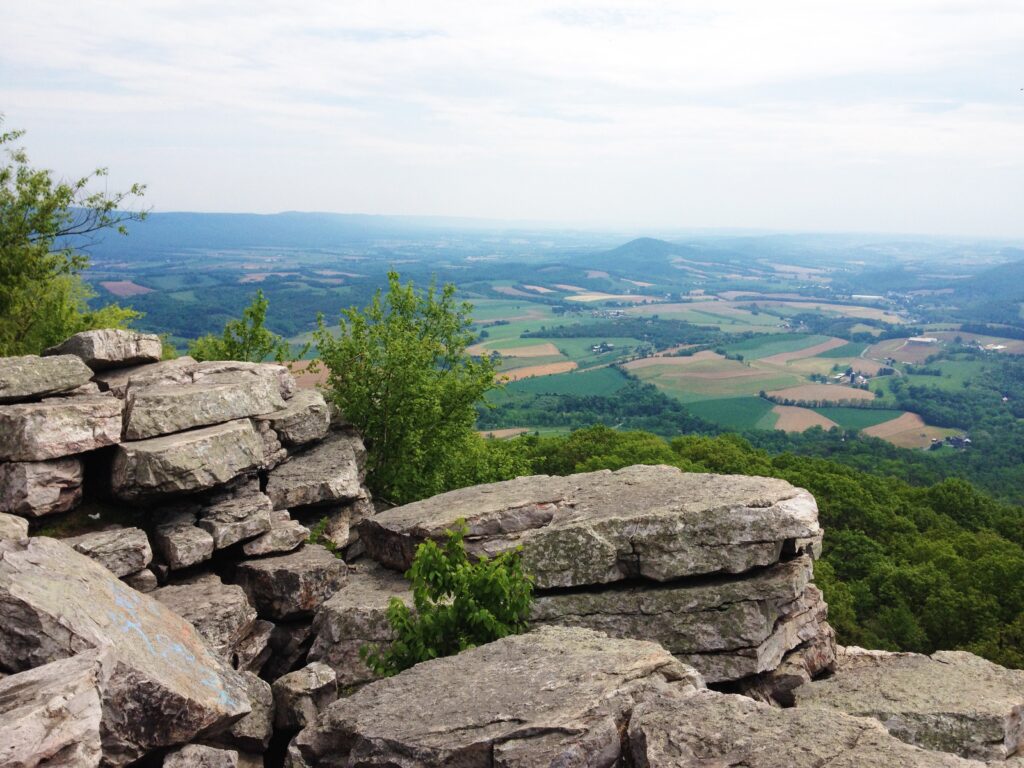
(656, 113)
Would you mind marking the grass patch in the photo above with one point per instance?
(858, 418)
(849, 349)
(600, 382)
(774, 344)
(739, 413)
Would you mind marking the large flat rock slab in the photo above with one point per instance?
(187, 462)
(37, 488)
(122, 551)
(119, 380)
(50, 716)
(111, 348)
(30, 377)
(58, 426)
(221, 613)
(554, 696)
(654, 522)
(165, 686)
(329, 472)
(716, 730)
(951, 701)
(234, 370)
(163, 410)
(294, 585)
(724, 627)
(304, 419)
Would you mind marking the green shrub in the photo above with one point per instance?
(457, 604)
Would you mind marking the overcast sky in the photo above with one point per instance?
(865, 115)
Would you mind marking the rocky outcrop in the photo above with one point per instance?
(122, 551)
(199, 756)
(58, 426)
(556, 696)
(951, 701)
(51, 715)
(236, 517)
(330, 471)
(186, 462)
(285, 535)
(111, 348)
(300, 696)
(164, 687)
(305, 419)
(294, 585)
(12, 527)
(37, 488)
(713, 729)
(251, 734)
(31, 377)
(180, 542)
(167, 372)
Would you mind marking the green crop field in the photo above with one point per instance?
(739, 413)
(858, 418)
(702, 383)
(599, 381)
(850, 349)
(774, 344)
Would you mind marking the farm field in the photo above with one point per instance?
(909, 431)
(545, 369)
(780, 348)
(596, 381)
(858, 418)
(738, 413)
(828, 393)
(792, 418)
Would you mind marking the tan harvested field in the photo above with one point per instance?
(597, 296)
(567, 287)
(598, 273)
(259, 277)
(537, 288)
(682, 362)
(866, 313)
(908, 431)
(1013, 346)
(795, 419)
(825, 393)
(125, 288)
(902, 350)
(336, 273)
(784, 357)
(639, 283)
(508, 290)
(538, 370)
(734, 295)
(504, 434)
(537, 350)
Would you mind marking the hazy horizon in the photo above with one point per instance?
(794, 117)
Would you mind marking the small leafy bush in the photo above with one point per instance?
(457, 604)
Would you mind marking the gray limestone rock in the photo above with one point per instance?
(804, 663)
(186, 462)
(220, 612)
(711, 729)
(273, 453)
(143, 580)
(236, 518)
(300, 696)
(58, 426)
(253, 651)
(180, 542)
(120, 550)
(165, 686)
(119, 381)
(162, 410)
(343, 520)
(285, 535)
(31, 377)
(37, 488)
(304, 419)
(654, 522)
(293, 585)
(704, 623)
(330, 471)
(555, 696)
(252, 733)
(111, 348)
(951, 701)
(356, 616)
(200, 756)
(12, 527)
(233, 370)
(50, 716)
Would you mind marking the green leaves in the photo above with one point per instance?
(399, 371)
(245, 339)
(457, 604)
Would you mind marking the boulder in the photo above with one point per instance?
(58, 426)
(12, 527)
(50, 715)
(806, 662)
(273, 453)
(300, 696)
(31, 377)
(165, 686)
(120, 380)
(356, 616)
(180, 542)
(252, 733)
(654, 522)
(706, 623)
(343, 520)
(186, 462)
(220, 612)
(236, 518)
(233, 370)
(711, 729)
(120, 550)
(163, 410)
(951, 701)
(143, 580)
(330, 471)
(304, 419)
(555, 696)
(293, 585)
(253, 651)
(111, 348)
(285, 535)
(37, 488)
(200, 756)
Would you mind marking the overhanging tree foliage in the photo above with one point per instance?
(244, 339)
(44, 223)
(399, 371)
